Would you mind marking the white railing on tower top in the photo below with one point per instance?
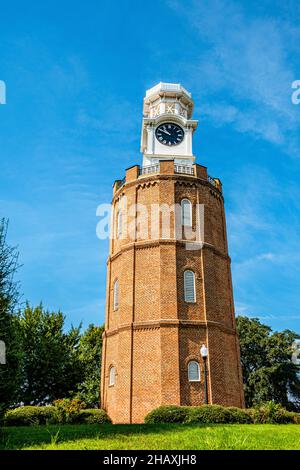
(178, 169)
(149, 169)
(212, 181)
(184, 169)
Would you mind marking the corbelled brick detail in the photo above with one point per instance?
(154, 333)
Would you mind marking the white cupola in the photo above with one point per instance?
(167, 129)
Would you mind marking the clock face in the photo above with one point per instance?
(169, 134)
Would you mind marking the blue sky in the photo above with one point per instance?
(76, 73)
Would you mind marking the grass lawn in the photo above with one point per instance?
(152, 437)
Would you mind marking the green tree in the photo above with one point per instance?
(9, 297)
(51, 367)
(90, 351)
(268, 371)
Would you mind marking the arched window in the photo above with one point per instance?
(112, 375)
(189, 286)
(193, 371)
(186, 212)
(119, 223)
(116, 294)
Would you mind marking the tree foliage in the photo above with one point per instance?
(90, 349)
(9, 333)
(51, 367)
(268, 371)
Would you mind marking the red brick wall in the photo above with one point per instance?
(154, 333)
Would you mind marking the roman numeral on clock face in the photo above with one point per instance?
(169, 134)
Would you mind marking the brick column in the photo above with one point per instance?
(218, 183)
(169, 334)
(200, 171)
(116, 186)
(166, 167)
(132, 173)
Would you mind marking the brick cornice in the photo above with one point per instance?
(142, 244)
(169, 323)
(177, 177)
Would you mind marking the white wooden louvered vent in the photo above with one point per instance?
(186, 212)
(116, 294)
(189, 286)
(119, 223)
(112, 376)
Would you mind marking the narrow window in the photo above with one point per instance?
(189, 287)
(119, 224)
(116, 294)
(112, 375)
(186, 212)
(193, 371)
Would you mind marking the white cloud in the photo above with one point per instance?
(264, 240)
(267, 256)
(248, 61)
(242, 309)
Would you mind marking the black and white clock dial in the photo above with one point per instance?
(169, 134)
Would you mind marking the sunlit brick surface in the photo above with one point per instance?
(153, 334)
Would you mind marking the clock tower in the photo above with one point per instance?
(167, 129)
(169, 292)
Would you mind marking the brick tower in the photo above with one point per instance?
(169, 287)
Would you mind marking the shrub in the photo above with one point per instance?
(168, 414)
(207, 414)
(94, 416)
(29, 415)
(293, 417)
(237, 415)
(271, 413)
(217, 414)
(268, 413)
(59, 414)
(198, 414)
(68, 410)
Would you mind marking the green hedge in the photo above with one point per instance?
(36, 415)
(168, 414)
(29, 415)
(217, 414)
(94, 416)
(268, 413)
